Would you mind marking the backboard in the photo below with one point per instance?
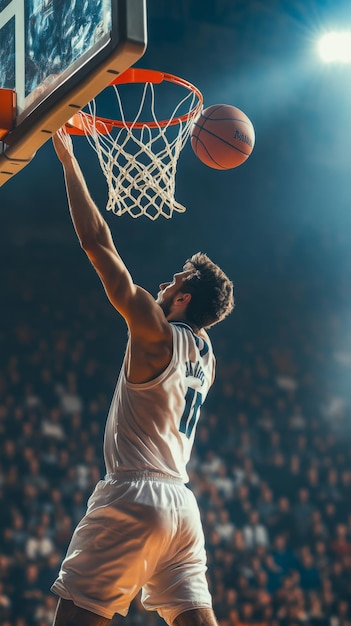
(56, 55)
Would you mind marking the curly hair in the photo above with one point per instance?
(212, 292)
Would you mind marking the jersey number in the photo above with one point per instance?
(193, 402)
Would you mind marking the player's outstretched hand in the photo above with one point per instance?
(63, 145)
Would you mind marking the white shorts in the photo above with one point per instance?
(141, 531)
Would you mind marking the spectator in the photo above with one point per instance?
(246, 613)
(295, 479)
(340, 544)
(211, 464)
(267, 507)
(330, 517)
(309, 574)
(239, 506)
(341, 615)
(318, 531)
(283, 524)
(19, 532)
(29, 594)
(321, 558)
(5, 605)
(302, 512)
(332, 490)
(275, 574)
(313, 484)
(283, 555)
(49, 569)
(70, 400)
(255, 533)
(339, 582)
(63, 532)
(51, 426)
(223, 482)
(38, 545)
(316, 615)
(224, 527)
(45, 612)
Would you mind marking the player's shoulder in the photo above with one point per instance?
(201, 338)
(204, 335)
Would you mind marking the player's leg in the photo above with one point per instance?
(196, 617)
(67, 614)
(178, 589)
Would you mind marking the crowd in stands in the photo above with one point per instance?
(271, 468)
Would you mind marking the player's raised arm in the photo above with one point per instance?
(135, 304)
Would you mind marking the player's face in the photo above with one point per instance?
(168, 291)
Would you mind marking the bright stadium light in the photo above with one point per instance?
(335, 47)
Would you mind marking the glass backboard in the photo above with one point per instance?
(57, 55)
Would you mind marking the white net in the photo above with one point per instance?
(139, 159)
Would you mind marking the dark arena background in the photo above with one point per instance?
(271, 467)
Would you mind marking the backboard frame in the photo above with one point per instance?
(114, 53)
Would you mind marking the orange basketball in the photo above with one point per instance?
(222, 137)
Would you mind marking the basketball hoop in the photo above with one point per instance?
(139, 158)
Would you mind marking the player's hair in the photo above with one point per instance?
(211, 290)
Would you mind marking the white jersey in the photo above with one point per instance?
(151, 426)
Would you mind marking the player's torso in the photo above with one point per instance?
(152, 425)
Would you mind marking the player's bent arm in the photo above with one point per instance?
(145, 318)
(150, 332)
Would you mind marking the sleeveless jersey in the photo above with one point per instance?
(151, 426)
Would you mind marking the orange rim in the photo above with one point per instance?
(79, 125)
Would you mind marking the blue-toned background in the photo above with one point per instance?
(277, 423)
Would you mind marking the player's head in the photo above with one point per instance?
(212, 293)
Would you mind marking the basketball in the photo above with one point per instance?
(222, 137)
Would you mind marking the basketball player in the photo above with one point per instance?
(142, 528)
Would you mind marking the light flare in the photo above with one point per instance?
(335, 47)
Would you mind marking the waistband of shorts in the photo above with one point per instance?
(129, 475)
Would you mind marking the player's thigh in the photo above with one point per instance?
(68, 614)
(196, 617)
